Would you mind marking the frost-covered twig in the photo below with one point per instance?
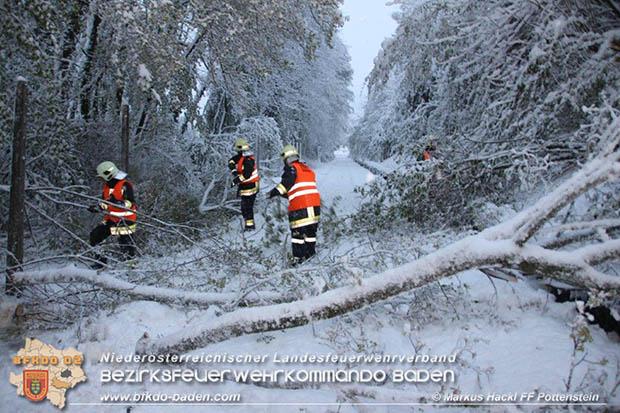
(56, 223)
(580, 336)
(559, 236)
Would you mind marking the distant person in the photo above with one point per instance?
(430, 153)
(429, 150)
(118, 204)
(245, 174)
(298, 185)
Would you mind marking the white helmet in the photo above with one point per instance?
(288, 152)
(241, 145)
(107, 170)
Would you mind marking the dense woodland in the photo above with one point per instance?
(515, 94)
(195, 74)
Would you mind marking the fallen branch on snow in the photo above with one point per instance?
(505, 244)
(140, 292)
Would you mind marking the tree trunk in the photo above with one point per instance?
(125, 137)
(15, 244)
(140, 292)
(87, 81)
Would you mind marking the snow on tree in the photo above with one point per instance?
(188, 71)
(73, 274)
(515, 94)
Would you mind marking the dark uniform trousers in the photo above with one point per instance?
(102, 231)
(247, 210)
(303, 238)
(304, 241)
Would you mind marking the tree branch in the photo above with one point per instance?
(71, 274)
(602, 168)
(503, 244)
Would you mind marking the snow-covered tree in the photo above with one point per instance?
(188, 71)
(515, 94)
(310, 99)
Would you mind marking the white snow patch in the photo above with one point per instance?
(144, 74)
(536, 52)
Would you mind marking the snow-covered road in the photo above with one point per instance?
(339, 178)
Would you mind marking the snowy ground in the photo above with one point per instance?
(509, 337)
(338, 178)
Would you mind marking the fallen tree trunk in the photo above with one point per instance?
(505, 245)
(471, 252)
(140, 292)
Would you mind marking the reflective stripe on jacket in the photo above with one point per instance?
(302, 217)
(304, 192)
(116, 194)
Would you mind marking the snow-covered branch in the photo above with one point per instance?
(72, 274)
(600, 169)
(505, 245)
(572, 267)
(581, 226)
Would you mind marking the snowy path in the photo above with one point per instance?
(339, 178)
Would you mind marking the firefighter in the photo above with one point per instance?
(304, 210)
(429, 150)
(118, 204)
(430, 153)
(245, 174)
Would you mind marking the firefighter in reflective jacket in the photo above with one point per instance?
(304, 209)
(118, 204)
(245, 174)
(429, 150)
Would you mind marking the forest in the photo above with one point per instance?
(472, 208)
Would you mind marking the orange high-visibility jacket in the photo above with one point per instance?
(254, 177)
(304, 192)
(116, 214)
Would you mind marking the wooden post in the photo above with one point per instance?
(15, 244)
(125, 137)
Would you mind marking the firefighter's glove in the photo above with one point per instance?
(235, 181)
(94, 209)
(103, 206)
(272, 193)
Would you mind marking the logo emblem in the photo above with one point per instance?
(36, 384)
